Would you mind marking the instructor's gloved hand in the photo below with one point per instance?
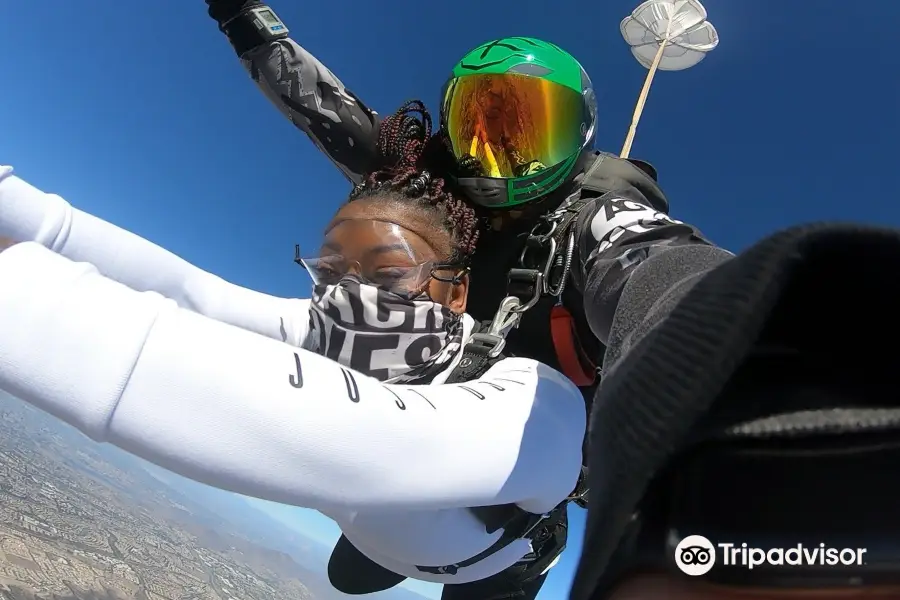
(223, 11)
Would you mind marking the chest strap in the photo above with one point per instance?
(476, 360)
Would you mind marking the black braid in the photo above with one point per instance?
(403, 141)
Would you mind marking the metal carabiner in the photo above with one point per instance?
(557, 290)
(554, 224)
(545, 273)
(506, 317)
(540, 240)
(552, 219)
(493, 341)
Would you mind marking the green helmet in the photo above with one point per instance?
(520, 115)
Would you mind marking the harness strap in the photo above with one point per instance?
(476, 358)
(521, 525)
(570, 354)
(471, 366)
(573, 360)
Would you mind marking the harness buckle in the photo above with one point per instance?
(531, 281)
(487, 344)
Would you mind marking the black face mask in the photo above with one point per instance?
(382, 334)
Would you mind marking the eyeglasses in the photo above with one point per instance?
(403, 280)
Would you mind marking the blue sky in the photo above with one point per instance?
(143, 116)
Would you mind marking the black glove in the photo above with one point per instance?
(223, 11)
(241, 28)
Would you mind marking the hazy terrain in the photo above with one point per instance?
(84, 521)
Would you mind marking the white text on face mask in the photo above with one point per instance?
(377, 333)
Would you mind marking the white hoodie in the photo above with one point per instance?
(138, 348)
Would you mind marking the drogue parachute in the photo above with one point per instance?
(666, 35)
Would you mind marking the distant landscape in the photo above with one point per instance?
(84, 521)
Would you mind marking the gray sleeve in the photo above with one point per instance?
(306, 92)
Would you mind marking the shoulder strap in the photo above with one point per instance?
(573, 359)
(570, 354)
(548, 320)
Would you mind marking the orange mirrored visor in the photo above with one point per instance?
(514, 125)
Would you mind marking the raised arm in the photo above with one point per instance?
(256, 416)
(635, 263)
(300, 86)
(29, 215)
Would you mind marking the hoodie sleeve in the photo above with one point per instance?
(306, 92)
(634, 262)
(28, 214)
(256, 416)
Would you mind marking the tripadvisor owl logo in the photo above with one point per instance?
(695, 555)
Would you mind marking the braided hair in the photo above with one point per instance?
(404, 143)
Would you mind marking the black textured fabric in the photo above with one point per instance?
(473, 364)
(822, 293)
(351, 572)
(222, 11)
(237, 25)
